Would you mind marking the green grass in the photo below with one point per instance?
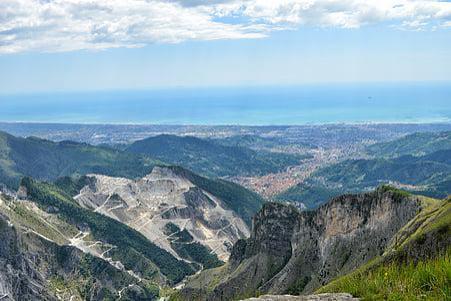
(398, 193)
(427, 280)
(409, 269)
(24, 215)
(435, 217)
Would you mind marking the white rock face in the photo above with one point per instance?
(163, 197)
(320, 297)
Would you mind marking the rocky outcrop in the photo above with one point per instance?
(296, 252)
(166, 197)
(320, 297)
(35, 268)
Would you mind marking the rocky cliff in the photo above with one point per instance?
(296, 252)
(33, 267)
(319, 297)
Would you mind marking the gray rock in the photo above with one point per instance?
(320, 297)
(29, 263)
(163, 197)
(297, 252)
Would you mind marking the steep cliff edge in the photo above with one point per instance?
(296, 252)
(415, 266)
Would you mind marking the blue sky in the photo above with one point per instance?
(222, 44)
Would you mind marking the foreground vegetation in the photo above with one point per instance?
(426, 280)
(417, 266)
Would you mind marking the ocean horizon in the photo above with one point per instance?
(294, 105)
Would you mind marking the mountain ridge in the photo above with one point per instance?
(47, 160)
(211, 158)
(296, 252)
(162, 199)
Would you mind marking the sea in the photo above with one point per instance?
(413, 102)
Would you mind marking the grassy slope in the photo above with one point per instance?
(417, 266)
(47, 160)
(25, 215)
(427, 280)
(210, 158)
(132, 247)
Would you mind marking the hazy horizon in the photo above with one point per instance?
(426, 102)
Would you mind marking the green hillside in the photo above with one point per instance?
(61, 268)
(416, 267)
(210, 158)
(47, 160)
(417, 144)
(132, 248)
(429, 175)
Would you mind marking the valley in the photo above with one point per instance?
(225, 150)
(223, 216)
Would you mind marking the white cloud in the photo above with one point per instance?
(66, 25)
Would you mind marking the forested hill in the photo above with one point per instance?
(415, 144)
(419, 163)
(210, 157)
(47, 160)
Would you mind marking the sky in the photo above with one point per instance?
(81, 45)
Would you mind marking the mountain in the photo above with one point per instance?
(127, 246)
(65, 239)
(417, 144)
(428, 174)
(47, 160)
(210, 158)
(41, 258)
(298, 252)
(314, 297)
(242, 201)
(34, 268)
(170, 210)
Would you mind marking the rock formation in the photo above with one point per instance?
(296, 252)
(161, 199)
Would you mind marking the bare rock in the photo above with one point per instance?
(297, 252)
(320, 297)
(166, 197)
